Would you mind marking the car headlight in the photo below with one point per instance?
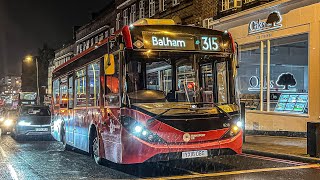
(8, 122)
(1, 119)
(140, 131)
(24, 123)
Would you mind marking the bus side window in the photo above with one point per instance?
(56, 92)
(63, 93)
(112, 97)
(94, 83)
(80, 88)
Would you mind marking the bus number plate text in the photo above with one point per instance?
(194, 154)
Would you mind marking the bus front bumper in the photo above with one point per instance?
(138, 151)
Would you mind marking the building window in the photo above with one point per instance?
(118, 21)
(248, 1)
(101, 37)
(152, 8)
(133, 13)
(91, 42)
(162, 4)
(141, 9)
(230, 4)
(285, 88)
(175, 2)
(106, 34)
(125, 17)
(111, 31)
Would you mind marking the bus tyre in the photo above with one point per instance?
(95, 150)
(63, 139)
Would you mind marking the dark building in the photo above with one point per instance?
(186, 12)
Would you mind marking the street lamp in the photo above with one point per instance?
(29, 59)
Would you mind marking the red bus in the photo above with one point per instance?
(153, 91)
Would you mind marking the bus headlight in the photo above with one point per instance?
(239, 124)
(140, 131)
(233, 131)
(8, 122)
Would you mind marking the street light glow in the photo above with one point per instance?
(28, 58)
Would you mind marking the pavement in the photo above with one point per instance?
(44, 159)
(291, 148)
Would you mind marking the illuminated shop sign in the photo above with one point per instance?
(273, 22)
(167, 40)
(285, 82)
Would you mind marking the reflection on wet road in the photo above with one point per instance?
(46, 160)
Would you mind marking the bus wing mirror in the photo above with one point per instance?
(109, 67)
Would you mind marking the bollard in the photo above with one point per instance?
(243, 119)
(313, 139)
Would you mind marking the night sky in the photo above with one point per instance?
(26, 24)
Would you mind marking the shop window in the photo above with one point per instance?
(80, 87)
(94, 83)
(289, 74)
(285, 88)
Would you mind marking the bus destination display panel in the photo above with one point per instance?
(176, 41)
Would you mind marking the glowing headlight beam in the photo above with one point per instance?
(8, 122)
(138, 129)
(23, 123)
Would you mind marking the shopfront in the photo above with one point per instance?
(278, 78)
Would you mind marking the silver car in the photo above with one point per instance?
(32, 121)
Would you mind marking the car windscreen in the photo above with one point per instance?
(35, 111)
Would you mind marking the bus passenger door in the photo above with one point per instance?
(70, 121)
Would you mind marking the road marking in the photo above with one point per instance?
(239, 172)
(13, 173)
(3, 153)
(273, 159)
(181, 169)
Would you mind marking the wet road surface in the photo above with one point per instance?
(41, 159)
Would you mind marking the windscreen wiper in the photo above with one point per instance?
(161, 114)
(219, 109)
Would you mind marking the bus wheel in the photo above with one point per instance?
(63, 139)
(95, 150)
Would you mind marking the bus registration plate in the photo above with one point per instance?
(194, 154)
(41, 129)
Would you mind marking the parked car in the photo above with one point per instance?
(32, 121)
(7, 121)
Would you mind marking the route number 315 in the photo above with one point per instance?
(210, 43)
